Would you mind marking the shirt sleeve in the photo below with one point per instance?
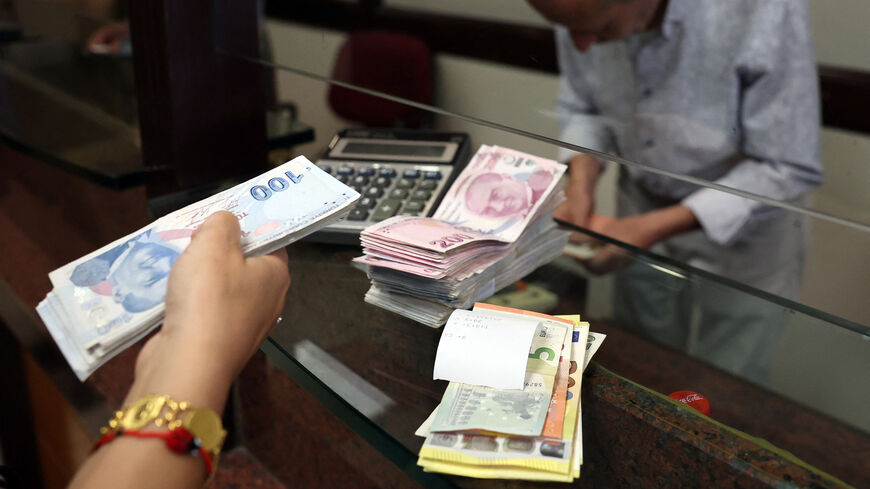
(578, 117)
(779, 125)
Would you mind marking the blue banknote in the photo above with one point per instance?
(103, 300)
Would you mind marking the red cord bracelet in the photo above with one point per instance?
(178, 440)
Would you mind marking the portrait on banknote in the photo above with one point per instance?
(134, 273)
(506, 195)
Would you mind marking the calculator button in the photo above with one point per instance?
(374, 192)
(360, 180)
(367, 171)
(398, 193)
(432, 175)
(411, 174)
(387, 209)
(387, 172)
(366, 202)
(343, 179)
(409, 213)
(357, 188)
(428, 185)
(327, 169)
(358, 214)
(345, 170)
(382, 182)
(413, 206)
(421, 195)
(405, 183)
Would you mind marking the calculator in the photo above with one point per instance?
(398, 172)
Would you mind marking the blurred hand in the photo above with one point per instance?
(219, 307)
(629, 230)
(641, 231)
(108, 39)
(580, 192)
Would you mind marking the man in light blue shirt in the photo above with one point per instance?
(723, 91)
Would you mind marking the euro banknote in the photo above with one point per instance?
(556, 410)
(510, 411)
(107, 299)
(495, 455)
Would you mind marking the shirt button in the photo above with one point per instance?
(647, 92)
(649, 143)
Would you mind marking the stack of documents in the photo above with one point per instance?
(106, 301)
(493, 227)
(512, 408)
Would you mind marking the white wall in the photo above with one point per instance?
(840, 30)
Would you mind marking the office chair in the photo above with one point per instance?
(395, 64)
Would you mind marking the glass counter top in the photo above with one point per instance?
(73, 109)
(373, 369)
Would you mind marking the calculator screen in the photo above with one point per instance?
(395, 149)
(391, 150)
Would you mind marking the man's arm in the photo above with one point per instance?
(582, 126)
(641, 231)
(779, 125)
(579, 119)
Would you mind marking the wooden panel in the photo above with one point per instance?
(201, 112)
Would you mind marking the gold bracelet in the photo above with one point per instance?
(187, 429)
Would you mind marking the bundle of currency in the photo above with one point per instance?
(493, 227)
(105, 301)
(493, 433)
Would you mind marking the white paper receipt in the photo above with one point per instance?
(485, 349)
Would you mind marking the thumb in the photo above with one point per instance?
(219, 229)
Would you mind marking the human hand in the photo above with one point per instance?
(580, 192)
(219, 307)
(609, 257)
(108, 39)
(641, 231)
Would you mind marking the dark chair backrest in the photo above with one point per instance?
(395, 64)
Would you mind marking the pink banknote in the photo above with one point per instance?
(500, 192)
(424, 233)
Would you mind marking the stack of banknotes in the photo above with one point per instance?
(103, 302)
(493, 227)
(530, 434)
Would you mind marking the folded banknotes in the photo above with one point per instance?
(493, 227)
(553, 453)
(105, 301)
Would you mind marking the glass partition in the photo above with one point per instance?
(67, 91)
(747, 126)
(784, 317)
(481, 87)
(668, 293)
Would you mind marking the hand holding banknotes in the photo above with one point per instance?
(220, 306)
(641, 231)
(107, 300)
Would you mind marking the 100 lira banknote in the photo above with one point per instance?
(103, 299)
